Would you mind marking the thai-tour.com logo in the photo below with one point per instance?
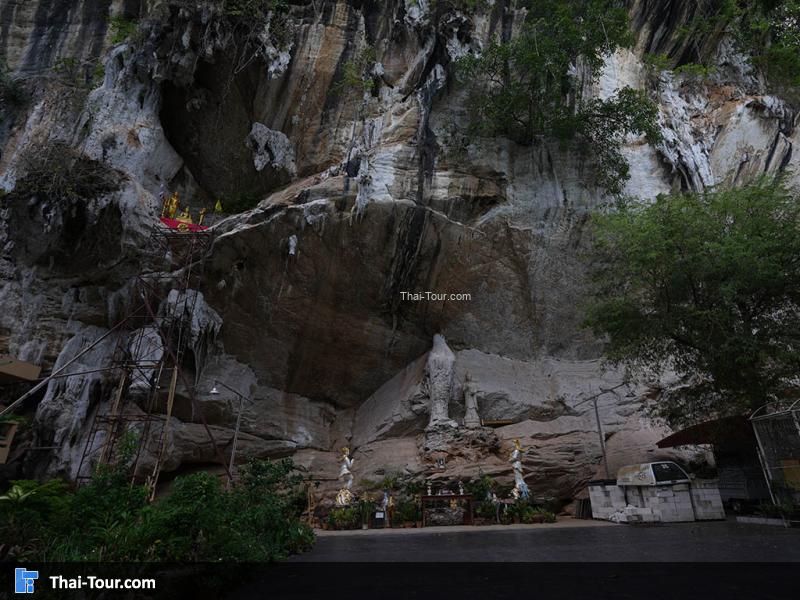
(24, 582)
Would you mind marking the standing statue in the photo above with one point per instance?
(345, 496)
(520, 487)
(172, 205)
(439, 382)
(471, 418)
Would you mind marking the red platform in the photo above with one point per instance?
(180, 225)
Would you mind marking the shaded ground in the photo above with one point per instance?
(680, 542)
(579, 559)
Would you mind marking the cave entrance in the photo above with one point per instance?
(208, 124)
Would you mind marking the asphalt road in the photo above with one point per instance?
(572, 561)
(679, 542)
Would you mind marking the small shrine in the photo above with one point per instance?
(181, 221)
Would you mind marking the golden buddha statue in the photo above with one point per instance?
(172, 205)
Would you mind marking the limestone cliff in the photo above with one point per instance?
(364, 194)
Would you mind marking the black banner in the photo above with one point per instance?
(325, 581)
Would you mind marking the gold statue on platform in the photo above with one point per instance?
(184, 219)
(201, 217)
(170, 206)
(185, 216)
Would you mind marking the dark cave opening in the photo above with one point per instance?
(208, 124)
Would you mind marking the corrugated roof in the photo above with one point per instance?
(736, 428)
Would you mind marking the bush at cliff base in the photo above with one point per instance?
(110, 520)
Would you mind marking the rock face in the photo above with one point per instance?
(378, 228)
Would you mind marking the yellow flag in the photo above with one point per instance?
(218, 206)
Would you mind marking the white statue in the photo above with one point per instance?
(345, 496)
(520, 487)
(439, 382)
(471, 418)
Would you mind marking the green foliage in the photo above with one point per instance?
(407, 511)
(707, 284)
(486, 510)
(695, 70)
(536, 514)
(109, 518)
(481, 487)
(661, 62)
(527, 513)
(603, 125)
(358, 73)
(345, 518)
(770, 32)
(657, 62)
(367, 508)
(98, 73)
(389, 482)
(121, 29)
(527, 88)
(68, 68)
(766, 30)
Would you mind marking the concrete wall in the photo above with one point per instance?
(683, 502)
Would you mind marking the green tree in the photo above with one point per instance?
(528, 88)
(707, 284)
(109, 519)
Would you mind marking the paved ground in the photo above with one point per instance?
(570, 540)
(563, 523)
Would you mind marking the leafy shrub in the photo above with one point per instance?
(528, 513)
(358, 73)
(345, 518)
(406, 511)
(109, 518)
(121, 28)
(527, 88)
(768, 31)
(486, 510)
(657, 62)
(695, 70)
(481, 487)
